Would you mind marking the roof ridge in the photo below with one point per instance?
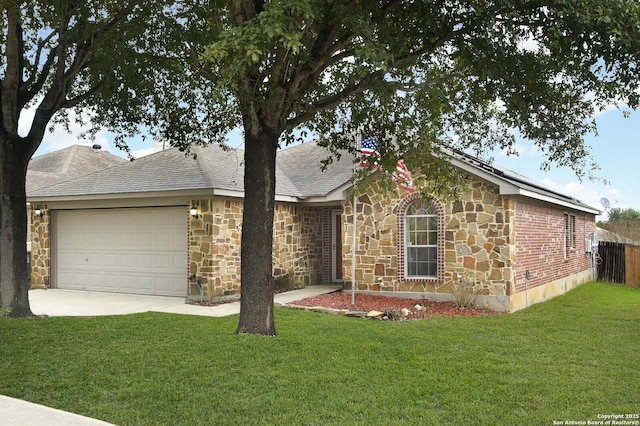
(207, 171)
(67, 163)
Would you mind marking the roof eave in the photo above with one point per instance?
(552, 200)
(338, 194)
(119, 195)
(507, 188)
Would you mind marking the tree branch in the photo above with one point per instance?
(336, 99)
(28, 93)
(38, 55)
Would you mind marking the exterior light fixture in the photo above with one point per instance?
(37, 211)
(193, 211)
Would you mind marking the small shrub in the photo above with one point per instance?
(465, 296)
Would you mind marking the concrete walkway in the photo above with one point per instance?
(87, 303)
(72, 303)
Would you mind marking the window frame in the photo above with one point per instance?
(569, 233)
(402, 239)
(432, 230)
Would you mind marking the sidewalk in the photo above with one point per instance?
(86, 303)
(22, 413)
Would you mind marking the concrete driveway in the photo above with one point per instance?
(56, 303)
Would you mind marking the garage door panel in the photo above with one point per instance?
(126, 261)
(141, 251)
(143, 261)
(112, 260)
(94, 260)
(111, 282)
(111, 239)
(128, 284)
(162, 261)
(144, 239)
(163, 284)
(126, 239)
(163, 239)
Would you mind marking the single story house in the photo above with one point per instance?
(169, 224)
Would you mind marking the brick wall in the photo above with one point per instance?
(540, 244)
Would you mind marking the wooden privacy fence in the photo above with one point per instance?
(611, 263)
(619, 263)
(632, 266)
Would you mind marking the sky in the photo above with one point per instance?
(616, 149)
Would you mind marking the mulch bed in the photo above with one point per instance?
(417, 308)
(364, 303)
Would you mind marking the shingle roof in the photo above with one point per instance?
(212, 168)
(298, 174)
(67, 163)
(303, 164)
(160, 171)
(224, 169)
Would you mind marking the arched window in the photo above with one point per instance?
(421, 240)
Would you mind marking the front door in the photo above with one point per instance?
(336, 246)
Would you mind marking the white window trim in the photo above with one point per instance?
(569, 221)
(408, 245)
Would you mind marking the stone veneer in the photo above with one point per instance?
(214, 247)
(474, 236)
(40, 248)
(486, 242)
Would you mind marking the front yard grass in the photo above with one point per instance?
(568, 359)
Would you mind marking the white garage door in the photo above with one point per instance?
(141, 251)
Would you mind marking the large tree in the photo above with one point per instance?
(57, 55)
(624, 223)
(417, 75)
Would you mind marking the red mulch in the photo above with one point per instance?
(369, 302)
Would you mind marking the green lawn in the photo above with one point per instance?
(571, 358)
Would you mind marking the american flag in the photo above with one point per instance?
(369, 150)
(401, 175)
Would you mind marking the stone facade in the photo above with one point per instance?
(40, 248)
(478, 246)
(475, 243)
(214, 247)
(479, 241)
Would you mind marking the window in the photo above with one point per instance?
(569, 233)
(421, 237)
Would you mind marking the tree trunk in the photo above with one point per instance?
(14, 285)
(256, 301)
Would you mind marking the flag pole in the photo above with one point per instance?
(353, 242)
